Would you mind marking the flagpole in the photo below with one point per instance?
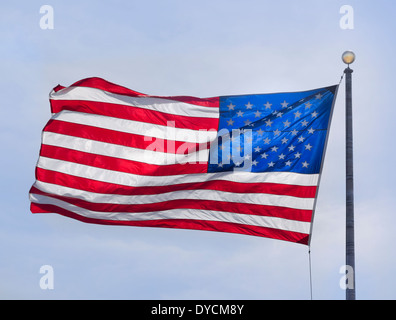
(349, 57)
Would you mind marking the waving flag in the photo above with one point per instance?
(247, 164)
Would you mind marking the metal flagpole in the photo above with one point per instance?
(349, 57)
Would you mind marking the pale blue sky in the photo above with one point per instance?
(199, 48)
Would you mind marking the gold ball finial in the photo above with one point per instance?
(348, 57)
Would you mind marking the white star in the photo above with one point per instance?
(240, 113)
(260, 132)
(308, 105)
(271, 164)
(268, 123)
(284, 140)
(311, 131)
(257, 114)
(248, 105)
(294, 132)
(230, 122)
(305, 164)
(297, 114)
(247, 122)
(257, 149)
(264, 155)
(284, 104)
(254, 162)
(277, 132)
(247, 157)
(319, 96)
(314, 114)
(268, 105)
(266, 140)
(301, 139)
(308, 147)
(297, 155)
(274, 149)
(286, 123)
(220, 165)
(288, 163)
(231, 106)
(291, 148)
(281, 157)
(280, 114)
(238, 163)
(304, 123)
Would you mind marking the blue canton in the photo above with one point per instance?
(283, 132)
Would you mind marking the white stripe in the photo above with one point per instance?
(122, 152)
(192, 214)
(129, 179)
(211, 195)
(156, 104)
(137, 127)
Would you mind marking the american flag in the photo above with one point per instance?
(247, 164)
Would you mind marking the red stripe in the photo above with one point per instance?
(99, 83)
(102, 84)
(117, 164)
(241, 208)
(58, 88)
(183, 224)
(123, 138)
(90, 185)
(203, 102)
(134, 113)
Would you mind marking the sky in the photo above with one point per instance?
(199, 48)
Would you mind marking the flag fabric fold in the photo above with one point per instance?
(247, 164)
